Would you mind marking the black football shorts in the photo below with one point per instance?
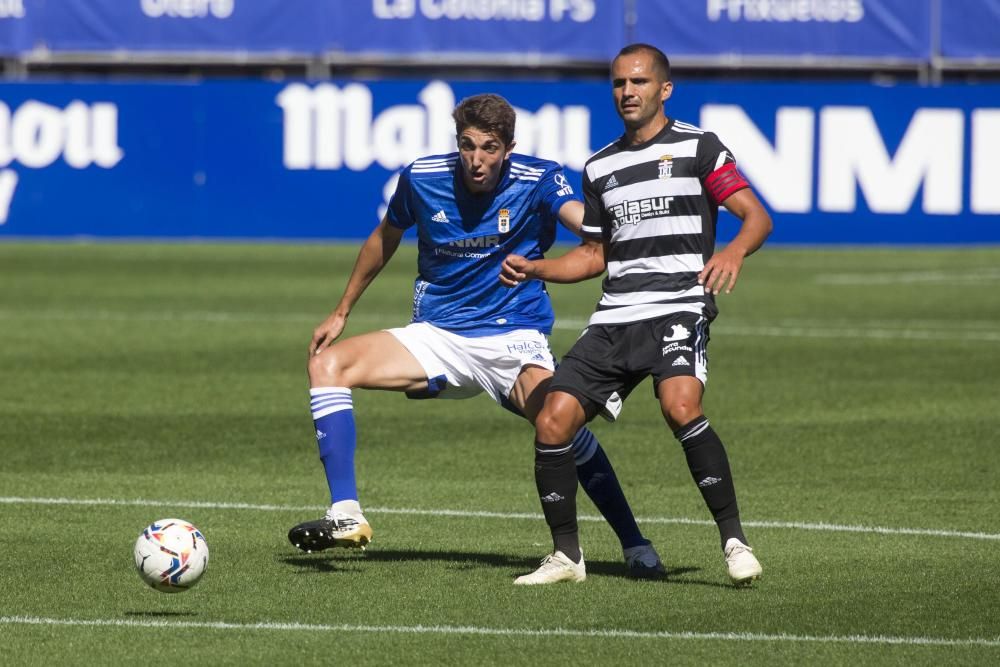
(608, 361)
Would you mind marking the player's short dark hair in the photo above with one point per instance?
(487, 112)
(660, 61)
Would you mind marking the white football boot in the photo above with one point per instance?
(555, 567)
(743, 565)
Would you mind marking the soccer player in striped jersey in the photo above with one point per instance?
(652, 199)
(469, 333)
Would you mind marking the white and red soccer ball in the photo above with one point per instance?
(171, 555)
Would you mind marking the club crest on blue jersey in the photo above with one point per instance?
(503, 221)
(666, 166)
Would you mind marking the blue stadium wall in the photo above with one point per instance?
(835, 163)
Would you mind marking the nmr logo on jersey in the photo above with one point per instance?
(476, 242)
(634, 212)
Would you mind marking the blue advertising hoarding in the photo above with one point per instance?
(15, 29)
(970, 29)
(566, 29)
(790, 29)
(295, 26)
(835, 163)
(502, 30)
(553, 29)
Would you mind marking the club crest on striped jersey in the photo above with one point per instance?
(666, 166)
(633, 212)
(503, 221)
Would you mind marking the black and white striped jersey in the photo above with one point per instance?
(656, 205)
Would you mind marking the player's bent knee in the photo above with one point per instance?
(326, 369)
(553, 428)
(681, 412)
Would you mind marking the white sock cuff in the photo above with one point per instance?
(327, 400)
(323, 391)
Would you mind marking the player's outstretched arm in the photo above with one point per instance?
(584, 261)
(375, 253)
(722, 270)
(571, 216)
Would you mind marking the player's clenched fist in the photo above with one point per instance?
(516, 269)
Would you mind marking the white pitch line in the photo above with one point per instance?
(469, 514)
(501, 632)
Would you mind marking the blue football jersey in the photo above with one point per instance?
(463, 238)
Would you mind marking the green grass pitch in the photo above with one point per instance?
(856, 389)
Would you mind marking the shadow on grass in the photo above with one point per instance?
(351, 561)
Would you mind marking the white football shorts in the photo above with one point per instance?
(463, 366)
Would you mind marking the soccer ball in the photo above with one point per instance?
(171, 555)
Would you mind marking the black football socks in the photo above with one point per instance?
(709, 466)
(556, 481)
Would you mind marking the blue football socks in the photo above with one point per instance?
(333, 416)
(598, 479)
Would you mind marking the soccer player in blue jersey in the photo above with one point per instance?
(469, 333)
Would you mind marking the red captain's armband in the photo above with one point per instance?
(725, 181)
